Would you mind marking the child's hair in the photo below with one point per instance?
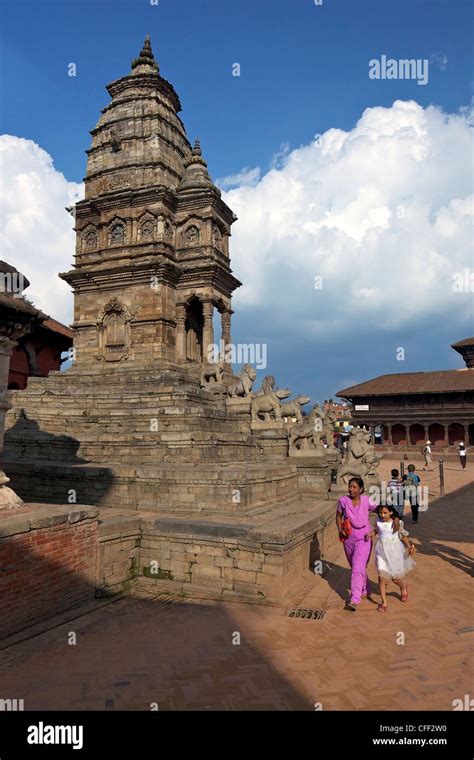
(392, 510)
(394, 473)
(411, 468)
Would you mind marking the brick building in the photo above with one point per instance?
(38, 353)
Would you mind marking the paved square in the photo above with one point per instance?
(138, 651)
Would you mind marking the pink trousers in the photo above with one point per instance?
(358, 554)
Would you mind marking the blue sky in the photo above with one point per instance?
(303, 72)
(303, 67)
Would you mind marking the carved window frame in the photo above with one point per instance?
(88, 230)
(112, 225)
(107, 351)
(147, 218)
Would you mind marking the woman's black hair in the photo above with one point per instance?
(393, 511)
(359, 482)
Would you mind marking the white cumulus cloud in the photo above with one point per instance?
(382, 213)
(359, 230)
(36, 233)
(245, 177)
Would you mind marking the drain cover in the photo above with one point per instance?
(298, 612)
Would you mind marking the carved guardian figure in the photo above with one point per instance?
(243, 386)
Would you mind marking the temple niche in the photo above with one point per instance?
(90, 238)
(114, 332)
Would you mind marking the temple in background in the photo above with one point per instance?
(413, 407)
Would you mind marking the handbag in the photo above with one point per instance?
(346, 526)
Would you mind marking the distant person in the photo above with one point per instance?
(393, 553)
(427, 455)
(462, 455)
(411, 490)
(395, 497)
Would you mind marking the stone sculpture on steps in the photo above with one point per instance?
(211, 375)
(243, 386)
(293, 408)
(267, 406)
(361, 460)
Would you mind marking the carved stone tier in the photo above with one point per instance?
(268, 425)
(239, 405)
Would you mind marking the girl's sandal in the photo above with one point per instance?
(382, 608)
(404, 596)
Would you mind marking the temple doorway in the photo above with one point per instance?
(194, 330)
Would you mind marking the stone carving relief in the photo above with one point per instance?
(216, 236)
(90, 239)
(167, 230)
(147, 229)
(114, 141)
(192, 235)
(117, 233)
(118, 182)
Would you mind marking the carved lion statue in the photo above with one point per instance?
(304, 434)
(361, 460)
(243, 386)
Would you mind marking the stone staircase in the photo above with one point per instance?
(148, 439)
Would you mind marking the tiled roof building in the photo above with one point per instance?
(412, 407)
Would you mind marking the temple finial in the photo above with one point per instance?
(197, 148)
(146, 57)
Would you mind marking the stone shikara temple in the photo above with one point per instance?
(189, 479)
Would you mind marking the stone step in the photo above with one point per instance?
(192, 487)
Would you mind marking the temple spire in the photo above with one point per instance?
(146, 57)
(196, 175)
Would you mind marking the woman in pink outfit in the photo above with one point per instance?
(355, 508)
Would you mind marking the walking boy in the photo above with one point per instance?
(412, 491)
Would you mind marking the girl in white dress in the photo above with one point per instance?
(393, 553)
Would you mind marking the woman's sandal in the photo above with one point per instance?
(382, 608)
(404, 595)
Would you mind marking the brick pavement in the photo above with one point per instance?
(136, 651)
